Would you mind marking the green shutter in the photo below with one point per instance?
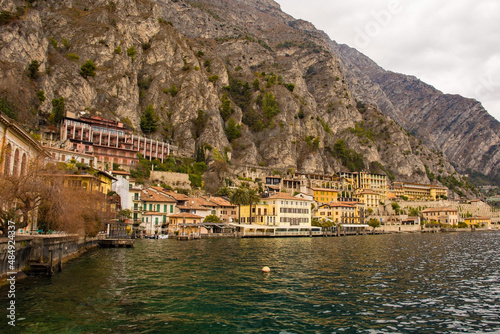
(171, 209)
(165, 208)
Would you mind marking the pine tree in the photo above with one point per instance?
(88, 69)
(149, 120)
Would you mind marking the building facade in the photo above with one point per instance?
(110, 141)
(419, 192)
(446, 216)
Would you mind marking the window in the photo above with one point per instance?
(164, 208)
(150, 207)
(171, 208)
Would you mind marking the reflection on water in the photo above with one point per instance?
(418, 283)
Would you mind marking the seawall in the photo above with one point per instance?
(41, 249)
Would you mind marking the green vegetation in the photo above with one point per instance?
(240, 93)
(177, 165)
(144, 85)
(127, 122)
(131, 52)
(290, 86)
(40, 96)
(8, 108)
(396, 207)
(72, 56)
(88, 69)
(374, 223)
(377, 168)
(199, 123)
(213, 78)
(211, 219)
(6, 17)
(325, 125)
(53, 42)
(58, 112)
(33, 69)
(225, 108)
(172, 90)
(149, 120)
(232, 130)
(430, 175)
(270, 106)
(353, 160)
(118, 50)
(360, 131)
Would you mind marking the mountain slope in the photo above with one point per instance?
(201, 64)
(458, 126)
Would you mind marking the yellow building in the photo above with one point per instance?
(446, 216)
(186, 225)
(340, 213)
(419, 192)
(368, 181)
(107, 180)
(325, 195)
(369, 197)
(281, 209)
(478, 221)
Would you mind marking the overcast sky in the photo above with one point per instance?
(453, 45)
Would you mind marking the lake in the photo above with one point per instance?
(397, 283)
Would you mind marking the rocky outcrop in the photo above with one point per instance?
(459, 127)
(290, 89)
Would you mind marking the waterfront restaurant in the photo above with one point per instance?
(186, 225)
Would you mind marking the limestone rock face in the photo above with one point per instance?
(459, 127)
(294, 93)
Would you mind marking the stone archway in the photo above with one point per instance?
(7, 168)
(17, 163)
(24, 165)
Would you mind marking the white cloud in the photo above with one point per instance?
(452, 45)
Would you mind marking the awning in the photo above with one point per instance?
(210, 225)
(354, 225)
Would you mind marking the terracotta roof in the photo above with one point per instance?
(478, 218)
(341, 205)
(120, 172)
(184, 215)
(199, 201)
(192, 207)
(176, 196)
(153, 213)
(149, 195)
(325, 189)
(220, 201)
(285, 196)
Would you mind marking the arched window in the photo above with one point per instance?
(24, 165)
(7, 168)
(16, 163)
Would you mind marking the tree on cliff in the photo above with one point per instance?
(149, 120)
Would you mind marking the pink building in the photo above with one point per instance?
(110, 141)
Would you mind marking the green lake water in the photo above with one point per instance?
(408, 283)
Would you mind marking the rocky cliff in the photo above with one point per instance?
(459, 127)
(239, 76)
